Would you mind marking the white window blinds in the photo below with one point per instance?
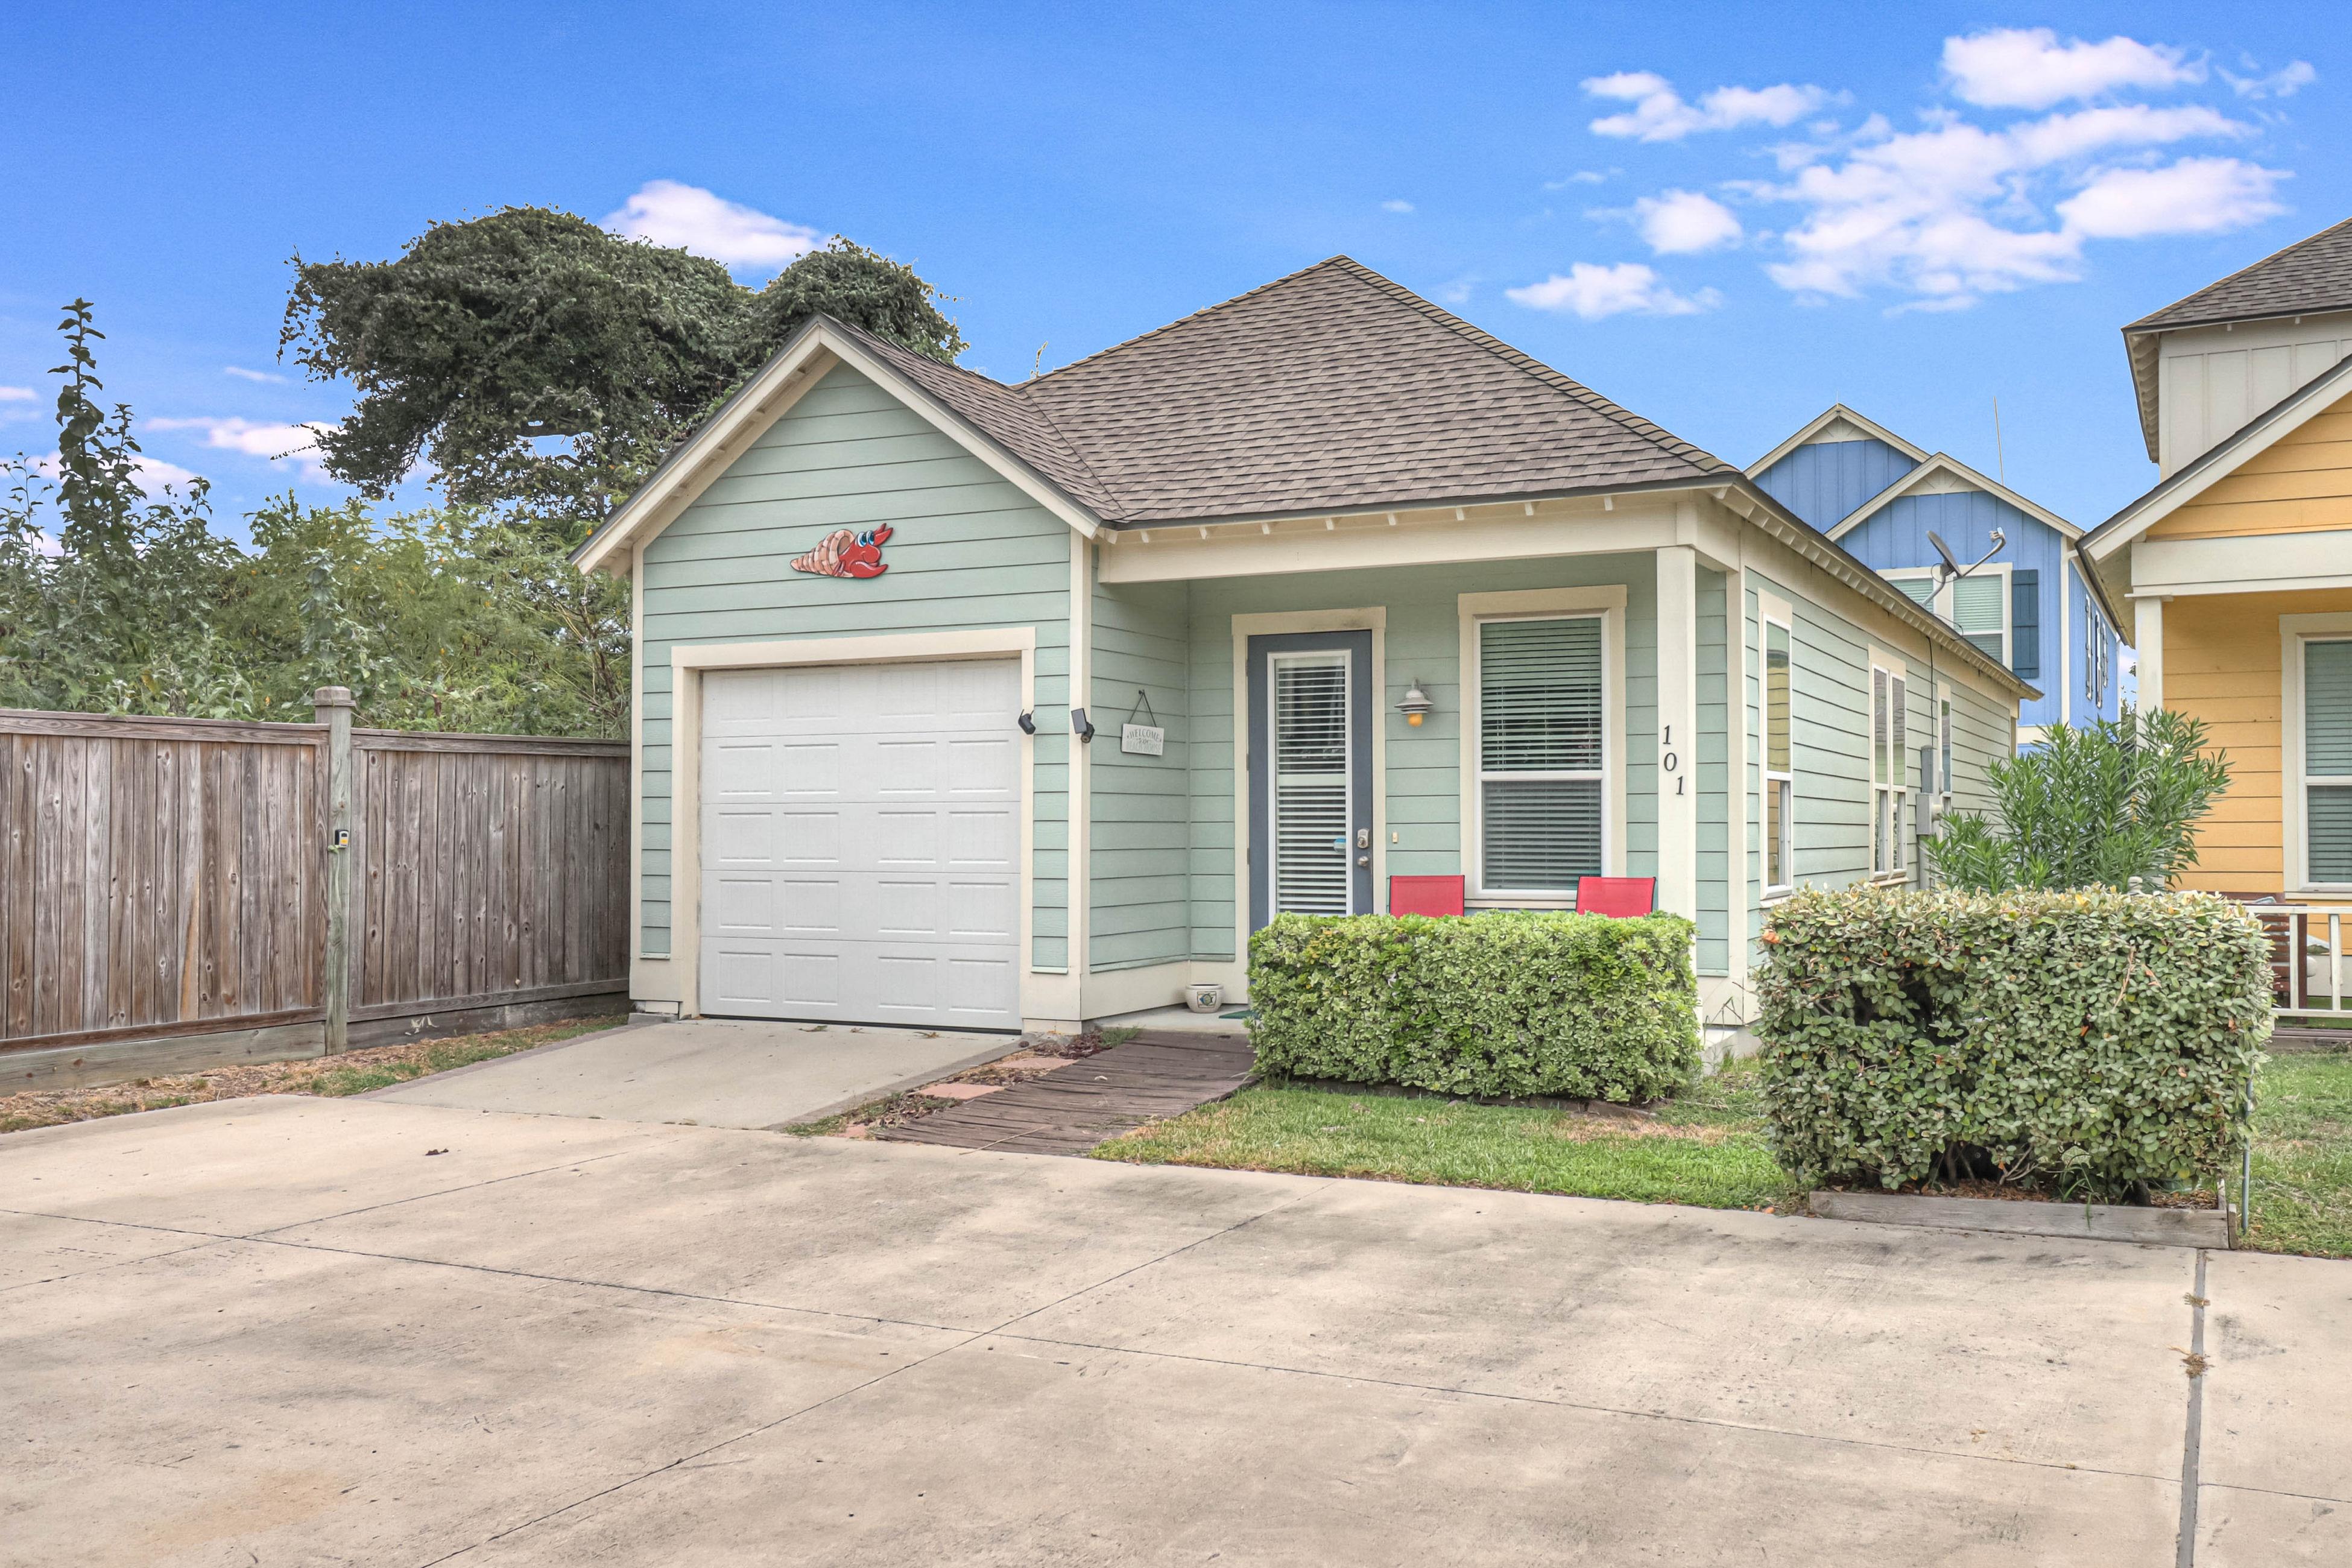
(2327, 760)
(1539, 754)
(1980, 611)
(1311, 783)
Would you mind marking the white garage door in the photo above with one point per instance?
(861, 840)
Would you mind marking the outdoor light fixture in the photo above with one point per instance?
(1028, 723)
(1080, 725)
(1416, 705)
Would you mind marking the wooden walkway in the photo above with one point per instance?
(1155, 1075)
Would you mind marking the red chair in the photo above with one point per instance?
(1619, 897)
(1426, 895)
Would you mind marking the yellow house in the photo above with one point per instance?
(2235, 571)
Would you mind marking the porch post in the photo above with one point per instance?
(2148, 645)
(1677, 738)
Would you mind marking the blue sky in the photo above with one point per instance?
(1725, 217)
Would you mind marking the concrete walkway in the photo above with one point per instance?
(709, 1072)
(292, 1330)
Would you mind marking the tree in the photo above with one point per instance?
(104, 592)
(2089, 808)
(544, 365)
(449, 619)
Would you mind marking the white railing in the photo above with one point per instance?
(2308, 959)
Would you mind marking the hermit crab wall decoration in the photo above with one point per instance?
(845, 553)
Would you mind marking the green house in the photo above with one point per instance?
(969, 705)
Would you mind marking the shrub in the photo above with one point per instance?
(1509, 1004)
(2091, 807)
(2085, 1042)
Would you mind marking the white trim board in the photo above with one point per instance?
(1944, 465)
(1472, 610)
(1815, 427)
(1045, 994)
(2263, 432)
(2294, 870)
(766, 399)
(1374, 619)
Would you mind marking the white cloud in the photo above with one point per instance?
(688, 217)
(2283, 82)
(1581, 177)
(1660, 114)
(2193, 195)
(1680, 223)
(242, 373)
(1947, 213)
(2028, 67)
(258, 439)
(1591, 291)
(1396, 207)
(17, 395)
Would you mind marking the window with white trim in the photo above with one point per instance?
(1976, 605)
(1541, 766)
(1780, 769)
(2327, 761)
(2096, 651)
(1944, 746)
(1888, 794)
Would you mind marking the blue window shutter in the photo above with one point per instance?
(2025, 625)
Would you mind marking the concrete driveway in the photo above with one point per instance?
(292, 1330)
(709, 1072)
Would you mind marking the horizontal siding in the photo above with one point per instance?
(1140, 875)
(969, 551)
(1712, 771)
(1422, 642)
(2301, 484)
(2222, 654)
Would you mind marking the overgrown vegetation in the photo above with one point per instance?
(2089, 808)
(1705, 1147)
(2091, 1044)
(540, 364)
(544, 365)
(1509, 1004)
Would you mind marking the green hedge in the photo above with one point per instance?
(1507, 1004)
(2079, 1042)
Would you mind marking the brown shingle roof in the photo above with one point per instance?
(2309, 276)
(1330, 388)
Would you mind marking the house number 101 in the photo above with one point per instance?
(1672, 764)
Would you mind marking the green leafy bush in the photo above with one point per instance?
(1509, 1004)
(2089, 808)
(2085, 1042)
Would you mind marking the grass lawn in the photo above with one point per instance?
(1706, 1148)
(2302, 1156)
(354, 1072)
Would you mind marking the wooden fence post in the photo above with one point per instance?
(332, 705)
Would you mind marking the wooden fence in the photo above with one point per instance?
(172, 895)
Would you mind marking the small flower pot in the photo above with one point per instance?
(1204, 998)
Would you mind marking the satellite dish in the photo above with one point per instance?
(1951, 563)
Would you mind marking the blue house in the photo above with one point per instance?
(2031, 604)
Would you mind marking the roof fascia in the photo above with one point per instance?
(1820, 422)
(765, 398)
(1943, 462)
(2282, 418)
(1777, 521)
